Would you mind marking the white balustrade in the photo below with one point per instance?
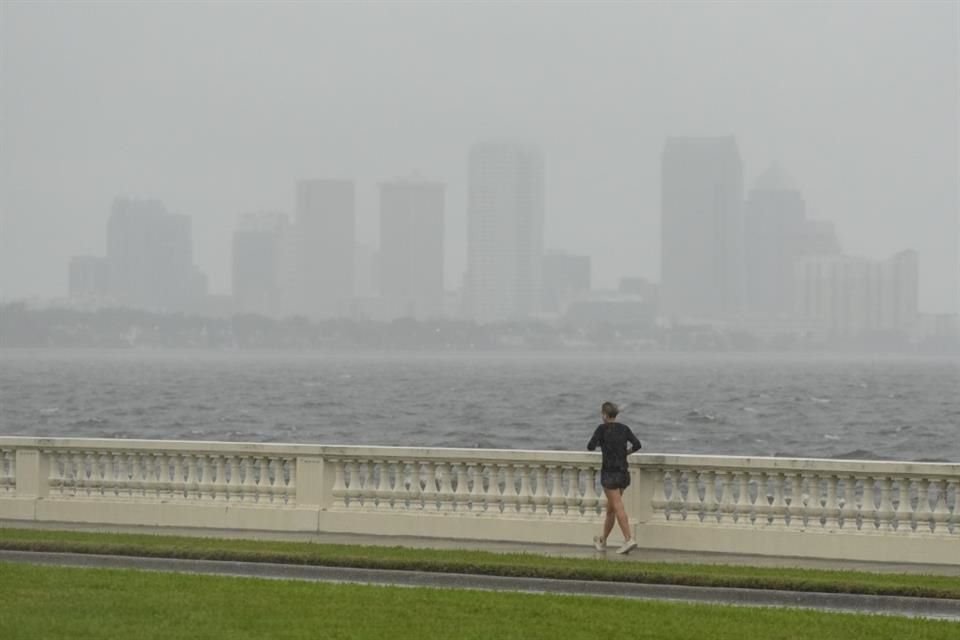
(888, 510)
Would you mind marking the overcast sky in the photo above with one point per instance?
(218, 108)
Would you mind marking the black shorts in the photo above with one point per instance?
(614, 479)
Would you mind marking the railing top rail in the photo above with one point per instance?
(879, 468)
(547, 457)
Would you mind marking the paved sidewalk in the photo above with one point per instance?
(845, 603)
(585, 551)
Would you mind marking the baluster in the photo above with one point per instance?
(491, 496)
(101, 473)
(525, 497)
(477, 494)
(509, 490)
(904, 508)
(352, 476)
(272, 477)
(941, 512)
(218, 482)
(742, 507)
(791, 501)
(924, 514)
(571, 497)
(445, 488)
(590, 496)
(176, 482)
(339, 490)
(848, 511)
(540, 496)
(556, 502)
(248, 489)
(831, 507)
(778, 509)
(725, 504)
(761, 506)
(709, 504)
(462, 494)
(79, 474)
(885, 513)
(677, 503)
(234, 483)
(414, 488)
(132, 468)
(189, 475)
(691, 499)
(210, 472)
(382, 493)
(290, 481)
(868, 508)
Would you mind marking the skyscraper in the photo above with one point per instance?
(566, 277)
(258, 260)
(151, 256)
(411, 247)
(774, 237)
(326, 237)
(701, 227)
(505, 212)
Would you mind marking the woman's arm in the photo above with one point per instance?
(595, 440)
(633, 440)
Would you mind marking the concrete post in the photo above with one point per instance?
(33, 471)
(310, 487)
(638, 498)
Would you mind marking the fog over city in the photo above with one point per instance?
(217, 110)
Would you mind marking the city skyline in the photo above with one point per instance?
(865, 120)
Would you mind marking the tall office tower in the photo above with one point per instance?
(701, 227)
(258, 262)
(411, 247)
(326, 233)
(774, 234)
(505, 212)
(566, 278)
(151, 257)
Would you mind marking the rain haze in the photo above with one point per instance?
(218, 109)
(468, 224)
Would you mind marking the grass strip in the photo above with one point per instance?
(480, 563)
(60, 602)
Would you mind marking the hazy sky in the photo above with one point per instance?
(218, 108)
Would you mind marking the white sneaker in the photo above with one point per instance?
(599, 544)
(628, 546)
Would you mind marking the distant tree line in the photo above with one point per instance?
(120, 328)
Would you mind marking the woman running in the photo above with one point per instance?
(612, 438)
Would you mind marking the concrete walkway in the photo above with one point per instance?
(846, 603)
(585, 551)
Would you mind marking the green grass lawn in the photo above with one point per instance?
(54, 602)
(481, 562)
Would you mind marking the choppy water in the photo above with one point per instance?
(860, 407)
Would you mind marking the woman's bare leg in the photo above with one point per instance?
(611, 517)
(615, 500)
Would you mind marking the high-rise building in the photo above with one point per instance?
(505, 212)
(411, 247)
(89, 278)
(566, 278)
(847, 296)
(151, 257)
(325, 225)
(775, 225)
(701, 227)
(258, 261)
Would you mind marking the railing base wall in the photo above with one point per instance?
(905, 548)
